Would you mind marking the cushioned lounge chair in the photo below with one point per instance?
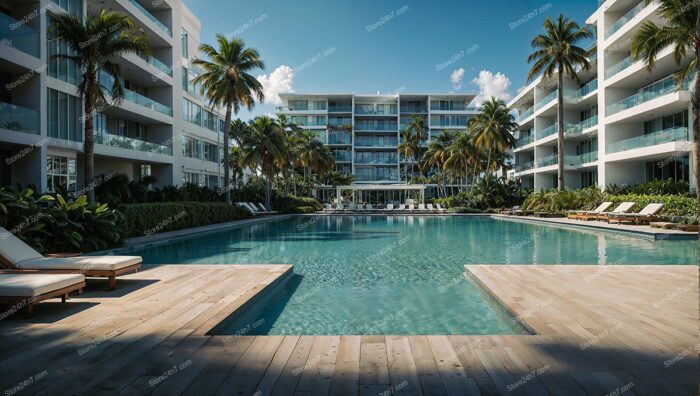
(440, 208)
(624, 207)
(646, 215)
(22, 290)
(590, 214)
(401, 207)
(15, 254)
(389, 207)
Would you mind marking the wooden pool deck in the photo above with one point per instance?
(600, 330)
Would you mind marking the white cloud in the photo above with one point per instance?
(280, 80)
(456, 78)
(496, 85)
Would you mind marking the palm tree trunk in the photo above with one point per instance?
(268, 189)
(560, 133)
(696, 115)
(227, 168)
(488, 162)
(89, 145)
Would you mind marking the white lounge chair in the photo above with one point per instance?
(440, 208)
(646, 215)
(401, 207)
(15, 254)
(23, 289)
(421, 207)
(624, 207)
(588, 214)
(253, 210)
(266, 209)
(389, 207)
(431, 208)
(369, 207)
(411, 207)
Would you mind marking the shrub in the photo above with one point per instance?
(153, 218)
(653, 187)
(52, 224)
(561, 201)
(674, 205)
(488, 193)
(292, 204)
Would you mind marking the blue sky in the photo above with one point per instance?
(365, 46)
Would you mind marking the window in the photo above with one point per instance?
(64, 116)
(678, 120)
(191, 178)
(195, 114)
(589, 179)
(62, 69)
(74, 7)
(184, 38)
(144, 170)
(60, 173)
(185, 79)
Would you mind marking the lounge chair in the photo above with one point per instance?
(266, 209)
(247, 207)
(401, 207)
(17, 255)
(646, 215)
(411, 208)
(624, 207)
(590, 214)
(389, 207)
(440, 208)
(24, 289)
(421, 207)
(514, 211)
(431, 208)
(369, 207)
(328, 207)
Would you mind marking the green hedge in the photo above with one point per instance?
(674, 205)
(153, 218)
(293, 204)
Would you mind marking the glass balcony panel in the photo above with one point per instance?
(548, 161)
(625, 18)
(581, 159)
(658, 89)
(546, 100)
(550, 130)
(19, 35)
(132, 144)
(18, 118)
(618, 67)
(150, 16)
(651, 139)
(525, 114)
(155, 62)
(575, 129)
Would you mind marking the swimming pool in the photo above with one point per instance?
(397, 274)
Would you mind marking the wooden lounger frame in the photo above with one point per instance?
(29, 302)
(111, 275)
(632, 218)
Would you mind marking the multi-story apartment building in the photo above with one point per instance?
(162, 127)
(623, 123)
(364, 131)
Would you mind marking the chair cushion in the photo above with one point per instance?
(30, 285)
(14, 249)
(82, 263)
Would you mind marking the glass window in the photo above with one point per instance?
(184, 38)
(61, 173)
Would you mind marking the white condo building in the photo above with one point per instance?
(364, 131)
(161, 128)
(623, 124)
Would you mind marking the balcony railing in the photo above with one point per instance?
(19, 35)
(414, 109)
(524, 140)
(340, 109)
(658, 89)
(375, 127)
(339, 123)
(524, 166)
(575, 129)
(130, 96)
(550, 130)
(548, 161)
(342, 156)
(18, 118)
(619, 66)
(581, 159)
(546, 100)
(132, 144)
(307, 122)
(389, 159)
(360, 110)
(650, 139)
(588, 88)
(150, 16)
(625, 18)
(362, 142)
(344, 138)
(155, 62)
(525, 114)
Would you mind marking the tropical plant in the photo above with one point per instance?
(435, 157)
(226, 82)
(265, 148)
(95, 43)
(493, 129)
(412, 138)
(681, 31)
(556, 52)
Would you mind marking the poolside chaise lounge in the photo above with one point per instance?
(431, 208)
(509, 211)
(621, 208)
(589, 214)
(17, 255)
(411, 208)
(24, 289)
(401, 207)
(421, 207)
(646, 215)
(247, 207)
(266, 209)
(440, 208)
(389, 207)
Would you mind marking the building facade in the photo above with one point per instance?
(364, 131)
(623, 124)
(162, 127)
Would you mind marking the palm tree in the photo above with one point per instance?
(557, 53)
(681, 31)
(95, 44)
(226, 82)
(265, 148)
(437, 154)
(493, 129)
(462, 155)
(239, 129)
(417, 133)
(315, 157)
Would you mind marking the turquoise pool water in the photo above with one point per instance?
(398, 274)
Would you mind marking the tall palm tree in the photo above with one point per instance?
(226, 82)
(681, 31)
(462, 155)
(418, 133)
(96, 43)
(437, 154)
(556, 52)
(493, 128)
(315, 157)
(265, 148)
(239, 129)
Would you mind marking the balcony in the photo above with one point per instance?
(414, 109)
(586, 90)
(310, 123)
(524, 166)
(376, 160)
(18, 118)
(339, 123)
(151, 17)
(379, 110)
(342, 156)
(625, 18)
(550, 130)
(548, 161)
(546, 100)
(19, 35)
(155, 62)
(658, 89)
(345, 139)
(108, 139)
(618, 67)
(525, 114)
(579, 160)
(650, 139)
(369, 127)
(524, 140)
(577, 129)
(361, 141)
(130, 96)
(340, 109)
